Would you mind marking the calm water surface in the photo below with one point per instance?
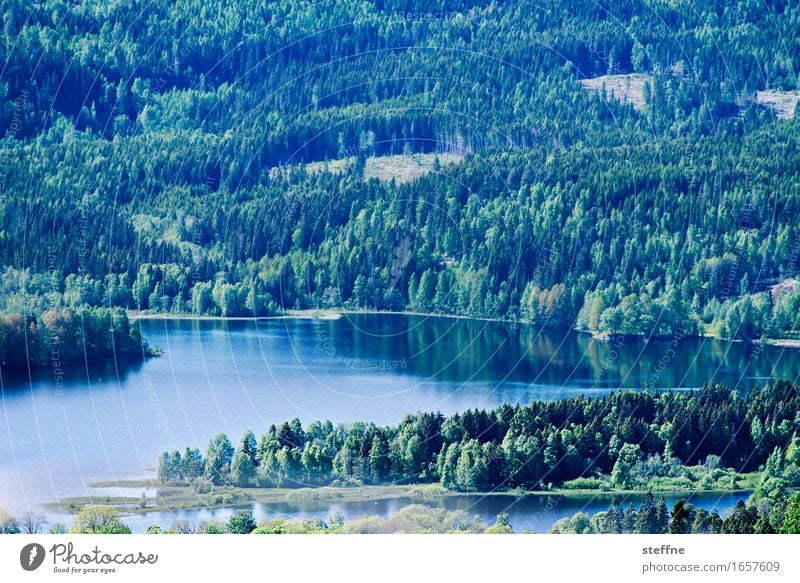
(113, 419)
(535, 513)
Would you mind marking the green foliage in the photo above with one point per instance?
(167, 173)
(213, 528)
(614, 441)
(742, 520)
(411, 519)
(8, 523)
(243, 464)
(628, 457)
(95, 519)
(307, 494)
(226, 496)
(651, 517)
(418, 519)
(58, 337)
(706, 522)
(586, 484)
(192, 464)
(241, 522)
(682, 518)
(791, 521)
(218, 459)
(579, 523)
(500, 526)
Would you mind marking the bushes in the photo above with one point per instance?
(92, 519)
(586, 484)
(308, 494)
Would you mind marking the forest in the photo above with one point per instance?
(59, 337)
(156, 157)
(759, 515)
(622, 441)
(665, 442)
(217, 159)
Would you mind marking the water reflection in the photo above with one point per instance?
(530, 513)
(112, 421)
(457, 349)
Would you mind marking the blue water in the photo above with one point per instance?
(113, 419)
(530, 513)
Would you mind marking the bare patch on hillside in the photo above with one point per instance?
(401, 168)
(622, 88)
(783, 103)
(787, 286)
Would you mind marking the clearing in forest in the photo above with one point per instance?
(783, 103)
(623, 88)
(402, 167)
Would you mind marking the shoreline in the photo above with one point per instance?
(291, 315)
(780, 342)
(315, 314)
(173, 498)
(337, 314)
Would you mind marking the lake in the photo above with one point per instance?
(112, 419)
(535, 512)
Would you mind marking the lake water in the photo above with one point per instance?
(535, 513)
(113, 419)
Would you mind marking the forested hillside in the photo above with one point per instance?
(142, 142)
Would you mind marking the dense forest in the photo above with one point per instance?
(58, 337)
(626, 440)
(154, 157)
(757, 516)
(668, 441)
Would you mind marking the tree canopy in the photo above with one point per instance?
(160, 158)
(626, 440)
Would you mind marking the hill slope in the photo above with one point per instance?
(141, 138)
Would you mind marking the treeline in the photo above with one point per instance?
(157, 183)
(626, 437)
(768, 516)
(56, 337)
(159, 288)
(774, 507)
(411, 519)
(747, 316)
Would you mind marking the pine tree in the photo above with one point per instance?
(218, 458)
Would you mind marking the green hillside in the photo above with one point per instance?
(620, 167)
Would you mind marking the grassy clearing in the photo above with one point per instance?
(401, 168)
(622, 88)
(783, 103)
